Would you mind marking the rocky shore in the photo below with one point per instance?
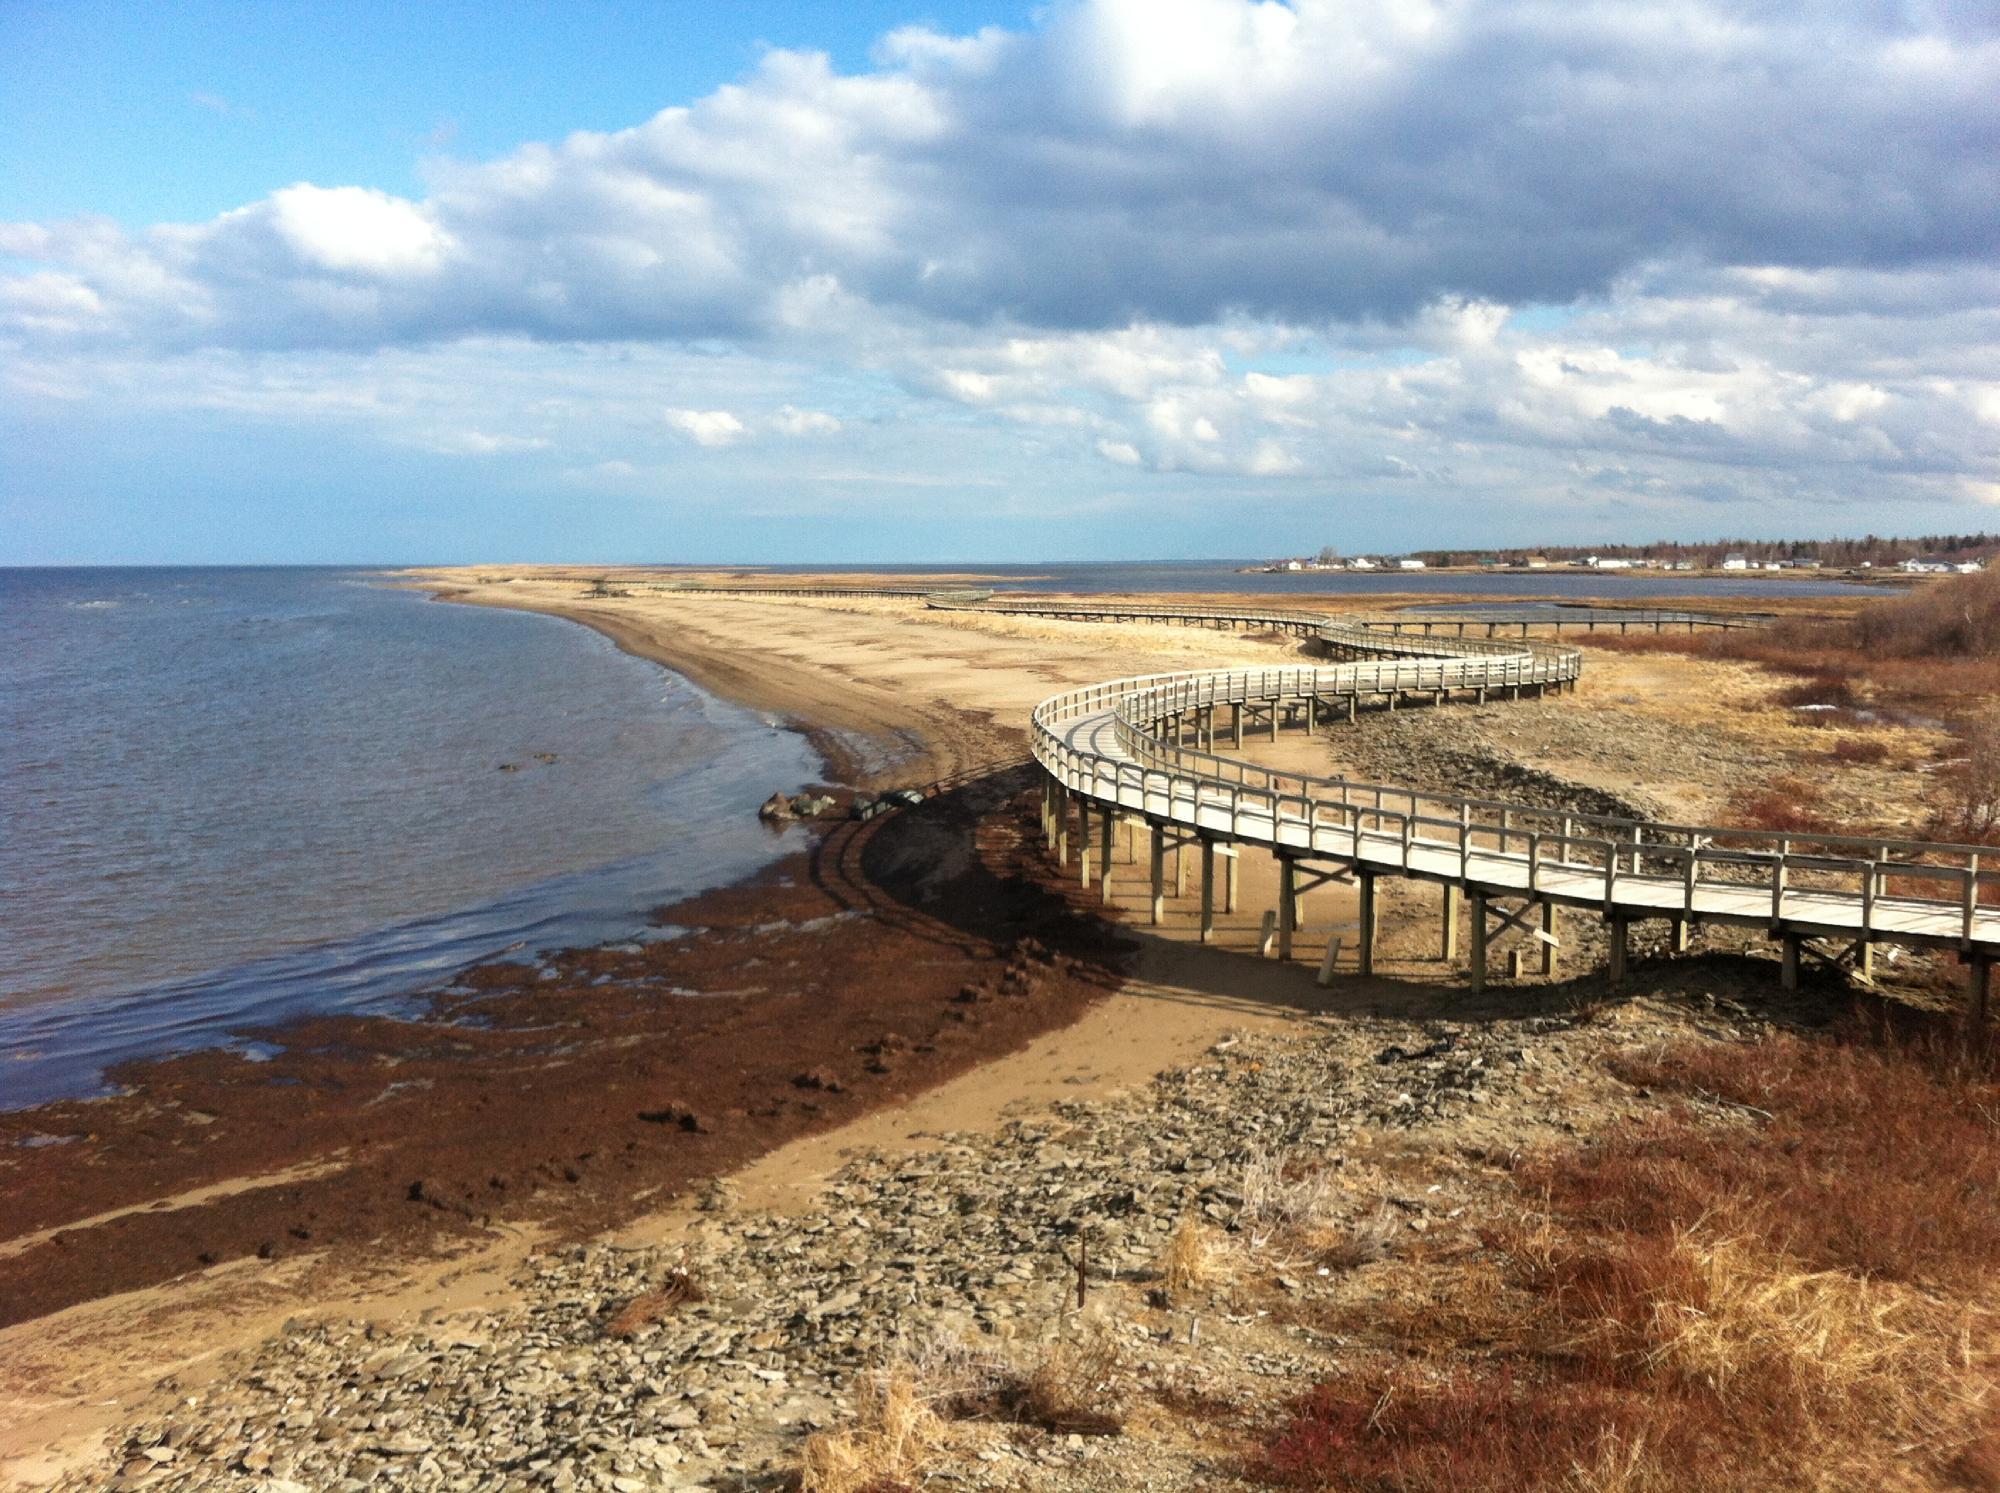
(707, 1363)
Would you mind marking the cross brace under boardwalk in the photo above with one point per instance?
(1491, 920)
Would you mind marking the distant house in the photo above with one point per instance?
(1596, 564)
(1295, 565)
(1409, 565)
(1361, 562)
(1681, 565)
(1534, 562)
(1968, 567)
(1924, 567)
(1735, 562)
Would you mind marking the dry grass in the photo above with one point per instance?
(1787, 1286)
(1193, 1261)
(1287, 1201)
(1786, 805)
(1859, 751)
(895, 1435)
(1934, 649)
(1368, 1242)
(1072, 1386)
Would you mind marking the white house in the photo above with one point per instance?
(1735, 562)
(1361, 562)
(1968, 567)
(1924, 567)
(1409, 565)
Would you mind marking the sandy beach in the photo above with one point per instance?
(923, 975)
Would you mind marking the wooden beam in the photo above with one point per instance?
(1364, 942)
(1478, 941)
(1288, 904)
(1454, 903)
(1159, 869)
(1207, 891)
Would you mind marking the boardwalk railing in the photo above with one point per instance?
(1123, 745)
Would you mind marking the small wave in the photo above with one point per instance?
(89, 606)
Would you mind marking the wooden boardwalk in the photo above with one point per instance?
(1159, 750)
(1156, 749)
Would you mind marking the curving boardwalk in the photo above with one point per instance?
(1157, 749)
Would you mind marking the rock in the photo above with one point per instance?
(776, 807)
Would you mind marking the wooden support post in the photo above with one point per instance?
(1864, 960)
(1104, 870)
(1683, 930)
(1478, 899)
(1083, 840)
(1230, 874)
(1549, 940)
(1621, 939)
(1265, 935)
(1364, 941)
(1159, 867)
(1327, 963)
(1180, 867)
(1207, 891)
(1788, 961)
(1288, 904)
(1454, 904)
(1062, 828)
(1236, 724)
(1350, 708)
(1274, 720)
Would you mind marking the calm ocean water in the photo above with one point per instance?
(232, 796)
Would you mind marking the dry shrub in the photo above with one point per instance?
(1792, 1297)
(1938, 645)
(676, 1289)
(1880, 1156)
(1193, 1259)
(1284, 1200)
(1368, 1242)
(1476, 1431)
(1071, 1386)
(1821, 687)
(894, 1435)
(1859, 751)
(1786, 806)
(1970, 811)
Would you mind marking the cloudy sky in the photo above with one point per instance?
(1098, 278)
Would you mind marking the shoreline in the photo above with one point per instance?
(219, 1198)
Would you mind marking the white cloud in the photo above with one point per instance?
(707, 427)
(797, 422)
(354, 229)
(1681, 252)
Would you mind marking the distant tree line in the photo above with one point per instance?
(1873, 549)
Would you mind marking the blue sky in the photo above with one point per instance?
(1113, 278)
